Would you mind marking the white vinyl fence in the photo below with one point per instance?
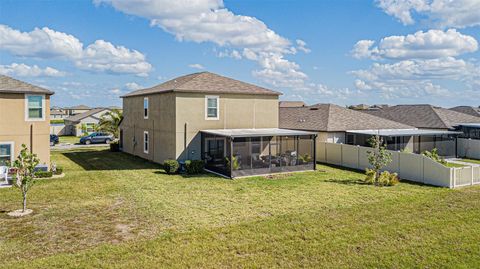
(468, 148)
(409, 166)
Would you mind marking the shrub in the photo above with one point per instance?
(370, 176)
(43, 174)
(58, 171)
(388, 179)
(194, 167)
(114, 146)
(171, 166)
(434, 156)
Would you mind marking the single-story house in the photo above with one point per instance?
(336, 124)
(229, 124)
(84, 123)
(470, 110)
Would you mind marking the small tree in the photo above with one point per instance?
(379, 157)
(25, 172)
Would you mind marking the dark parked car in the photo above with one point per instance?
(96, 137)
(53, 139)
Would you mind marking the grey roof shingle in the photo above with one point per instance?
(204, 82)
(332, 118)
(81, 116)
(470, 110)
(291, 104)
(423, 116)
(11, 85)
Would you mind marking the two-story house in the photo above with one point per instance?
(24, 119)
(231, 125)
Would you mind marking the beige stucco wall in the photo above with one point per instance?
(14, 128)
(171, 113)
(236, 111)
(160, 125)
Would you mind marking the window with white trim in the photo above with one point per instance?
(145, 108)
(211, 107)
(6, 153)
(35, 107)
(145, 141)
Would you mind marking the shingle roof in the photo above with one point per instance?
(332, 118)
(204, 82)
(423, 116)
(11, 85)
(56, 112)
(79, 107)
(86, 114)
(470, 110)
(291, 104)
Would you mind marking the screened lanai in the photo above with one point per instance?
(410, 140)
(246, 152)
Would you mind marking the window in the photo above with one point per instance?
(145, 108)
(90, 127)
(145, 142)
(6, 154)
(211, 107)
(35, 107)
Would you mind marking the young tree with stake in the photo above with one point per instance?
(25, 172)
(379, 157)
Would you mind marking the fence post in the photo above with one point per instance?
(454, 177)
(358, 156)
(341, 154)
(472, 168)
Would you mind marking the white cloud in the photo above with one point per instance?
(196, 66)
(302, 46)
(416, 78)
(115, 91)
(23, 70)
(100, 56)
(132, 86)
(209, 21)
(442, 13)
(421, 45)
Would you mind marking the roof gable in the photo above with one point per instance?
(11, 85)
(204, 82)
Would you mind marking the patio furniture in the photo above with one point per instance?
(4, 173)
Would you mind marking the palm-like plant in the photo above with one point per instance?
(110, 122)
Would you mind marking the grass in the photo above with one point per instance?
(449, 164)
(69, 139)
(113, 210)
(471, 161)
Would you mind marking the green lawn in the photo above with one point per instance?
(112, 210)
(454, 165)
(69, 139)
(471, 161)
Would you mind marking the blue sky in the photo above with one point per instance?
(345, 52)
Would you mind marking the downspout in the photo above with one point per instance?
(153, 140)
(185, 140)
(31, 138)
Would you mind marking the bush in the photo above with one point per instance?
(43, 174)
(58, 171)
(171, 166)
(370, 176)
(114, 146)
(194, 167)
(388, 179)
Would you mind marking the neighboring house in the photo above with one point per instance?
(75, 110)
(423, 116)
(56, 114)
(24, 119)
(291, 104)
(231, 125)
(470, 110)
(336, 124)
(84, 123)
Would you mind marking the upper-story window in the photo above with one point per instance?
(211, 107)
(145, 108)
(34, 107)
